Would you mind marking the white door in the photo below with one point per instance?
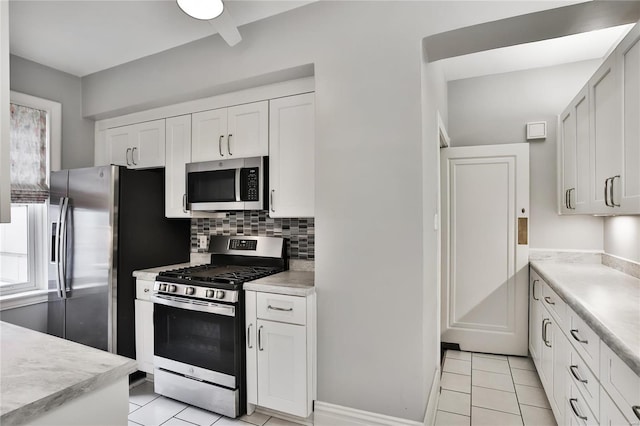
(178, 153)
(248, 130)
(282, 367)
(148, 147)
(120, 141)
(291, 165)
(209, 133)
(485, 259)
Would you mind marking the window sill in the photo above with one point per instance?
(18, 300)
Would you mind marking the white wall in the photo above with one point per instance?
(494, 109)
(622, 237)
(377, 341)
(44, 82)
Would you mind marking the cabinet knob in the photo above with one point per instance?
(146, 290)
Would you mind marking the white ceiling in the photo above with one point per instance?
(579, 47)
(83, 37)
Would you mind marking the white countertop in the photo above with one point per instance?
(293, 283)
(606, 299)
(39, 372)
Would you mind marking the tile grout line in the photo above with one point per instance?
(516, 392)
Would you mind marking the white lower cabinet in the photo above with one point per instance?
(280, 352)
(144, 326)
(585, 382)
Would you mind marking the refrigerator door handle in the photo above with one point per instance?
(57, 247)
(62, 259)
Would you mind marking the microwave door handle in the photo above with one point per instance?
(238, 198)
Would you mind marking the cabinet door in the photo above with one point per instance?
(144, 335)
(291, 159)
(535, 318)
(248, 130)
(606, 134)
(568, 129)
(178, 153)
(579, 198)
(559, 348)
(252, 348)
(209, 132)
(546, 353)
(282, 367)
(149, 145)
(629, 185)
(120, 142)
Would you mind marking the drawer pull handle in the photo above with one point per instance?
(574, 333)
(275, 308)
(544, 327)
(572, 402)
(533, 290)
(548, 300)
(249, 345)
(574, 369)
(636, 411)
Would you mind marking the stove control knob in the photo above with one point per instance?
(219, 294)
(209, 293)
(189, 291)
(172, 288)
(163, 287)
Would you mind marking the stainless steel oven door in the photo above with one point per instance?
(197, 338)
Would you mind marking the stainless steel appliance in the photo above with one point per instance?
(198, 316)
(238, 184)
(104, 223)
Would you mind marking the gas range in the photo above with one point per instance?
(199, 332)
(235, 260)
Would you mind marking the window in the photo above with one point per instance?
(34, 152)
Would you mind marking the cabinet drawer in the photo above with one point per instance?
(611, 414)
(556, 306)
(622, 384)
(585, 340)
(144, 289)
(577, 411)
(283, 308)
(584, 380)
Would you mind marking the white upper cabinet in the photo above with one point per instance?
(606, 133)
(236, 132)
(291, 156)
(137, 146)
(209, 132)
(629, 185)
(248, 130)
(178, 148)
(574, 128)
(605, 117)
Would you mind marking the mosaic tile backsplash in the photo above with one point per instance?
(298, 233)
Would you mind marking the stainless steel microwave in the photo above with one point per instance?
(221, 185)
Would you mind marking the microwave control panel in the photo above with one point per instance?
(249, 184)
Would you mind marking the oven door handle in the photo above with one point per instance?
(183, 303)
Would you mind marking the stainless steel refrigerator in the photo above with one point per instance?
(104, 223)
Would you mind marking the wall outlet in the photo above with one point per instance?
(202, 241)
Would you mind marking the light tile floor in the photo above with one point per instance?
(483, 389)
(147, 408)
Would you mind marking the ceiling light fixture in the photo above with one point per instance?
(202, 9)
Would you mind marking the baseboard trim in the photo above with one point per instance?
(335, 415)
(284, 416)
(432, 402)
